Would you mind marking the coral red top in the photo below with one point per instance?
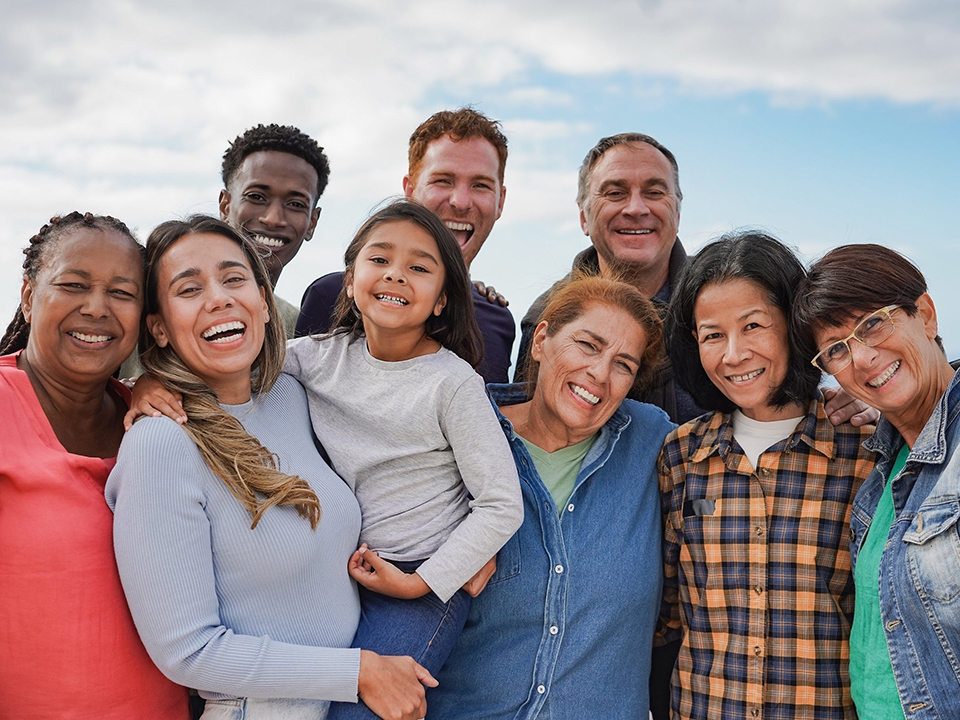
(68, 646)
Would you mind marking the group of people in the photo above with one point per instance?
(326, 512)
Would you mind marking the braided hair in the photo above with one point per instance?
(18, 331)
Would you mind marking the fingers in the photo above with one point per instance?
(475, 585)
(424, 676)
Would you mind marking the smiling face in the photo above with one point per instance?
(272, 196)
(904, 375)
(586, 370)
(211, 311)
(744, 349)
(632, 212)
(397, 279)
(458, 182)
(84, 305)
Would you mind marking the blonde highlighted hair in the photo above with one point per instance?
(246, 467)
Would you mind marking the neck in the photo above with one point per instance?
(535, 423)
(645, 279)
(911, 421)
(76, 396)
(771, 413)
(392, 345)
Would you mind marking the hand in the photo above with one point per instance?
(490, 293)
(379, 575)
(151, 398)
(842, 407)
(475, 585)
(392, 687)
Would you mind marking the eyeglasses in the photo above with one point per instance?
(872, 330)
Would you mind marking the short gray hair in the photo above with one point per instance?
(586, 169)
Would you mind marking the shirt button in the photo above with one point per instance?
(554, 629)
(541, 689)
(570, 507)
(757, 650)
(755, 712)
(892, 624)
(765, 471)
(558, 569)
(759, 531)
(759, 590)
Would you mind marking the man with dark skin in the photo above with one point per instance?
(273, 176)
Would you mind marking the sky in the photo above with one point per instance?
(824, 122)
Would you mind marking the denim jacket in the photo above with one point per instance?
(564, 629)
(920, 567)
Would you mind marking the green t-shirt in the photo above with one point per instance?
(559, 469)
(872, 684)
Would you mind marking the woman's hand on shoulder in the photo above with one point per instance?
(392, 686)
(151, 398)
(374, 573)
(842, 407)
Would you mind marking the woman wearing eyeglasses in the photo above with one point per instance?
(874, 327)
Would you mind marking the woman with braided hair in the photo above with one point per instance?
(68, 643)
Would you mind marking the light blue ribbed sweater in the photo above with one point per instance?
(231, 611)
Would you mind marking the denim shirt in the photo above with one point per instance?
(920, 567)
(564, 629)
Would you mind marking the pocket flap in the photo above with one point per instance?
(932, 520)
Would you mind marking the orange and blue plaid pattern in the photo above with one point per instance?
(757, 569)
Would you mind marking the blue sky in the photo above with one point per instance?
(823, 122)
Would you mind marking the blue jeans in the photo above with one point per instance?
(265, 709)
(425, 628)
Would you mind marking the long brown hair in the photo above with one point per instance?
(247, 468)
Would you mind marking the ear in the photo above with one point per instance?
(408, 186)
(26, 299)
(503, 196)
(441, 304)
(156, 328)
(225, 205)
(348, 282)
(583, 221)
(928, 313)
(536, 347)
(266, 310)
(314, 217)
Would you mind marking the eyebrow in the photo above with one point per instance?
(743, 317)
(193, 272)
(86, 275)
(604, 342)
(387, 245)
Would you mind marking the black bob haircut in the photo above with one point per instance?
(279, 138)
(744, 255)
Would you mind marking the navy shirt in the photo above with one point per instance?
(495, 321)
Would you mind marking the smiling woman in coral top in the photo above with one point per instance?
(69, 647)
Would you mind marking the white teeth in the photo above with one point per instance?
(882, 379)
(225, 327)
(464, 227)
(585, 394)
(90, 338)
(634, 232)
(269, 241)
(748, 376)
(391, 299)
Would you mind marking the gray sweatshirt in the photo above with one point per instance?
(415, 440)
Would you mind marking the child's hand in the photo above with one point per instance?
(475, 585)
(151, 398)
(379, 575)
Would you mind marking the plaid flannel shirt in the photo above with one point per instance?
(757, 568)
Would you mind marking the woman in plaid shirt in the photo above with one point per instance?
(756, 499)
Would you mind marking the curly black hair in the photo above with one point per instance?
(15, 337)
(281, 138)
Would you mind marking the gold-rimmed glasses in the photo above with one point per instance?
(872, 330)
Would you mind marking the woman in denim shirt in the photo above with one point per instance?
(873, 326)
(564, 629)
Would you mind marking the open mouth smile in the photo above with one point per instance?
(91, 339)
(582, 392)
(391, 299)
(749, 376)
(225, 332)
(884, 377)
(269, 242)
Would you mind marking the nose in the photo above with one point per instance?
(636, 205)
(96, 304)
(459, 196)
(736, 351)
(394, 273)
(217, 297)
(861, 356)
(272, 215)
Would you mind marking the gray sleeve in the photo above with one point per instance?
(486, 465)
(163, 548)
